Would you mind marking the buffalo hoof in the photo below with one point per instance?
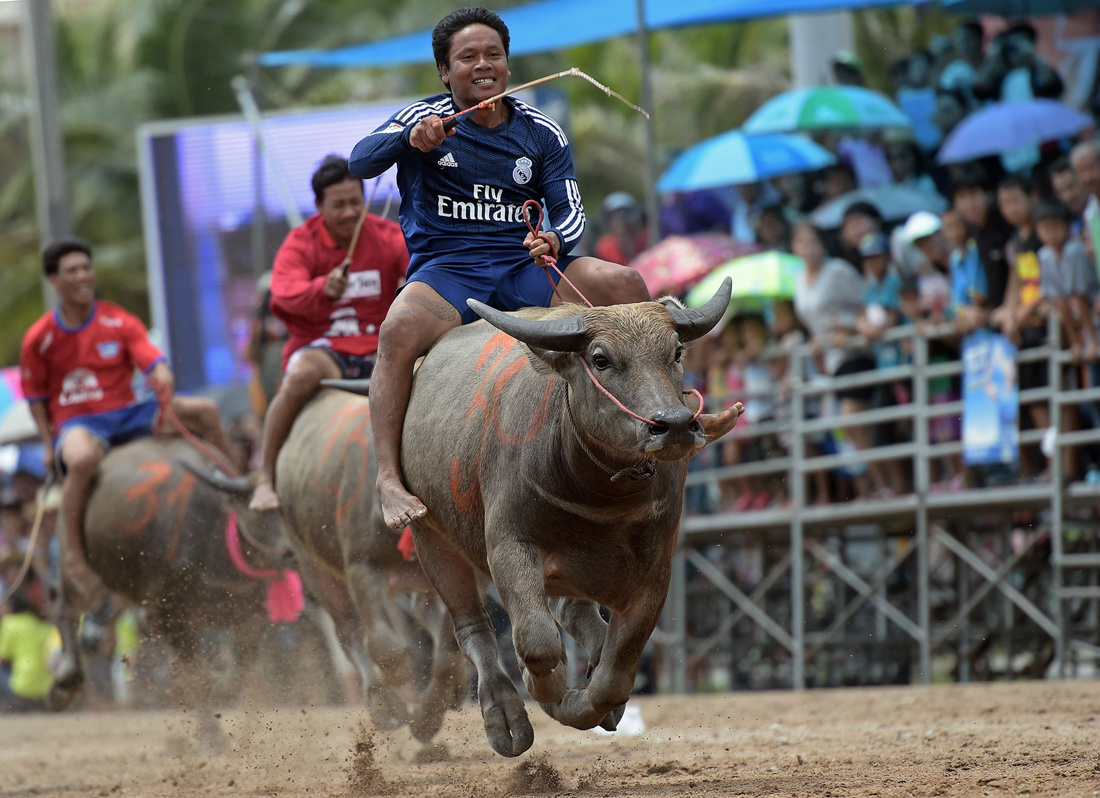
(426, 722)
(506, 723)
(611, 720)
(386, 707)
(546, 690)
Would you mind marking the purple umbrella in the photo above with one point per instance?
(1005, 126)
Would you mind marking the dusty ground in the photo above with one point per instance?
(979, 740)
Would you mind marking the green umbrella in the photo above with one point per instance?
(826, 108)
(763, 276)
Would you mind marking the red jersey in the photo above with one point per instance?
(349, 324)
(85, 369)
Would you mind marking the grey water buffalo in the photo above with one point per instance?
(565, 497)
(155, 534)
(350, 563)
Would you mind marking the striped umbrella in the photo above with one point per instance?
(734, 158)
(826, 108)
(763, 276)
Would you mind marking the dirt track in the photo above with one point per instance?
(980, 740)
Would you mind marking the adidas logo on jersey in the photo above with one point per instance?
(447, 160)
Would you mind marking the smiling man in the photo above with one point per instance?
(332, 318)
(461, 197)
(77, 366)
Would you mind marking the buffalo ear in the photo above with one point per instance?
(692, 323)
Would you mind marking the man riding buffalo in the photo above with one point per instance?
(462, 191)
(332, 314)
(77, 364)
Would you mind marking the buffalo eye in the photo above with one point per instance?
(601, 362)
(679, 353)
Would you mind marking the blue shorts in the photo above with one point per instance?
(115, 427)
(502, 285)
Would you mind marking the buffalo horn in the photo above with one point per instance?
(217, 479)
(359, 387)
(558, 335)
(692, 323)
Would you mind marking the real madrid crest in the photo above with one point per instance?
(522, 173)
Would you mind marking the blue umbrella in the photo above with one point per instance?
(1017, 8)
(1000, 127)
(734, 158)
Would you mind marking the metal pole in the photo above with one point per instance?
(798, 505)
(47, 144)
(243, 91)
(257, 230)
(651, 209)
(923, 479)
(1054, 377)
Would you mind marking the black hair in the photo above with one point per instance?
(1052, 209)
(333, 169)
(445, 30)
(926, 54)
(1025, 28)
(52, 254)
(968, 176)
(1016, 181)
(863, 208)
(974, 27)
(1060, 165)
(20, 603)
(956, 94)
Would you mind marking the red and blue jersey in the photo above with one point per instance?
(85, 369)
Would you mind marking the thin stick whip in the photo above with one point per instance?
(359, 227)
(450, 121)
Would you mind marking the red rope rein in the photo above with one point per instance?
(550, 262)
(164, 400)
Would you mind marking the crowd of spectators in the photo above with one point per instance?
(1010, 250)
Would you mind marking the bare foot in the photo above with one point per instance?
(264, 499)
(90, 592)
(399, 507)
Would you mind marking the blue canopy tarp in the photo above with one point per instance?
(559, 24)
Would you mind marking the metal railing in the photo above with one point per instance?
(1018, 586)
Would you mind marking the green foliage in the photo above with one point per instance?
(126, 62)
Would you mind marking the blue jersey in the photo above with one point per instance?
(461, 203)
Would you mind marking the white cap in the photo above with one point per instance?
(920, 225)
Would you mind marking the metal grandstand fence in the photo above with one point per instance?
(996, 581)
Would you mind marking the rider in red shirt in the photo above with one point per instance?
(77, 366)
(332, 318)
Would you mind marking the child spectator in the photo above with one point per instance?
(758, 394)
(1069, 284)
(988, 229)
(942, 242)
(25, 678)
(1018, 318)
(881, 302)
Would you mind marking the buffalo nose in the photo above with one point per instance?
(676, 418)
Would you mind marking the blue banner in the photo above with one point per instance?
(991, 400)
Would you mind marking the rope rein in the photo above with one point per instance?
(551, 262)
(28, 556)
(164, 399)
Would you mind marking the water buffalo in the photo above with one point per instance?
(155, 534)
(538, 479)
(350, 562)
